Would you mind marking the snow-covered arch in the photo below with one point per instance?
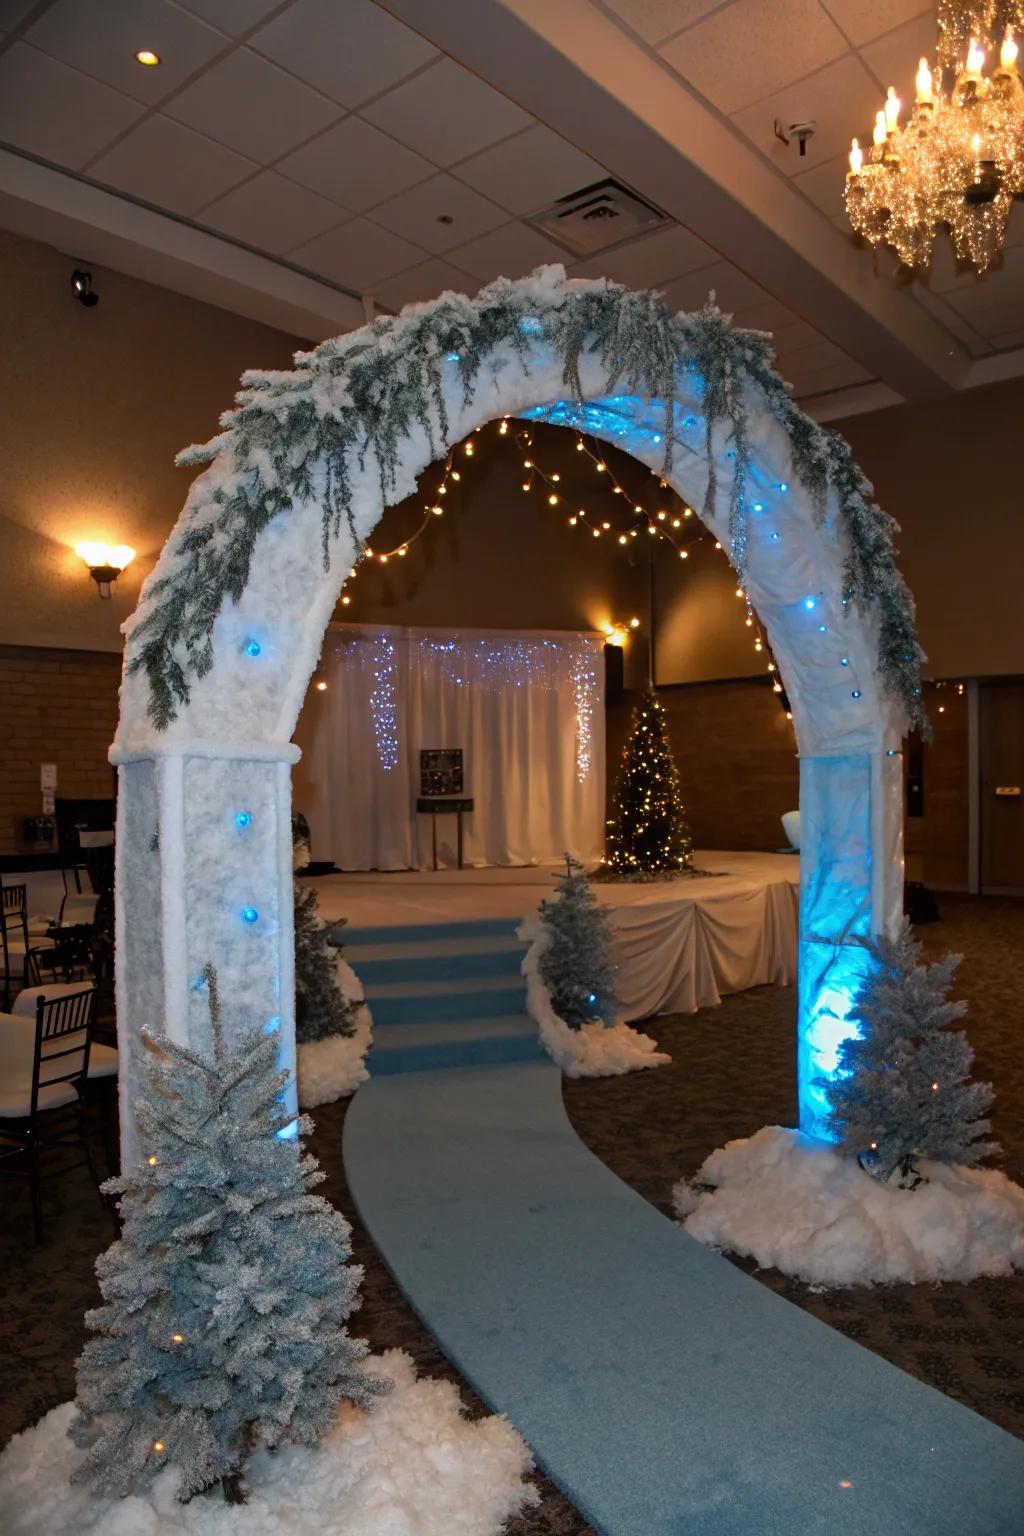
(229, 625)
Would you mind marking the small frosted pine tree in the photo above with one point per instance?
(903, 1089)
(226, 1296)
(647, 833)
(575, 967)
(321, 1010)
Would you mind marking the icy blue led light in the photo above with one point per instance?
(452, 357)
(809, 603)
(775, 537)
(845, 661)
(855, 694)
(689, 421)
(252, 647)
(822, 629)
(288, 1132)
(592, 999)
(249, 914)
(529, 325)
(243, 818)
(892, 752)
(758, 507)
(199, 983)
(783, 485)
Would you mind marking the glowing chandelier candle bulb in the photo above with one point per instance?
(892, 110)
(923, 83)
(975, 60)
(881, 132)
(1008, 52)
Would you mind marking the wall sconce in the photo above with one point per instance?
(618, 634)
(105, 562)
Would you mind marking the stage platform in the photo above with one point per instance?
(679, 945)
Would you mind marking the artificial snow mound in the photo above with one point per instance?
(800, 1205)
(412, 1467)
(596, 1049)
(334, 1067)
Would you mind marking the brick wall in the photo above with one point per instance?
(58, 707)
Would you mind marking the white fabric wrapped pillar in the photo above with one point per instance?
(850, 888)
(204, 876)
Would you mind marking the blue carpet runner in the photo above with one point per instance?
(666, 1392)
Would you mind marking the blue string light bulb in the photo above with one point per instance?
(243, 818)
(249, 914)
(252, 647)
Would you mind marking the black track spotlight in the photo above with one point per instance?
(81, 288)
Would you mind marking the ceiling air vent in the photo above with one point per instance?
(600, 216)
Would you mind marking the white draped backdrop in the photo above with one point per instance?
(527, 709)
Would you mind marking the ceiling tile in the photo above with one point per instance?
(654, 20)
(356, 164)
(754, 47)
(424, 282)
(893, 59)
(13, 12)
(56, 112)
(732, 288)
(528, 172)
(417, 214)
(272, 214)
(842, 99)
(863, 20)
(824, 185)
(350, 52)
(768, 316)
(822, 381)
(360, 255)
(512, 251)
(656, 259)
(252, 106)
(446, 113)
(1009, 339)
(170, 166)
(809, 359)
(101, 37)
(233, 16)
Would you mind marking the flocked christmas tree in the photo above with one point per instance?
(321, 1010)
(647, 832)
(575, 967)
(226, 1296)
(903, 1089)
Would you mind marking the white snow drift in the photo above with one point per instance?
(799, 1205)
(332, 1068)
(596, 1050)
(412, 1467)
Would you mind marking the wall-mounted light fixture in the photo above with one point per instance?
(618, 634)
(81, 288)
(105, 562)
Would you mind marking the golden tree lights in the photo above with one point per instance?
(957, 163)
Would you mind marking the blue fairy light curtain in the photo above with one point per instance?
(526, 708)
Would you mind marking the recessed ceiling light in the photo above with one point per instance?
(148, 57)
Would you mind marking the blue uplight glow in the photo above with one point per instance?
(529, 325)
(829, 1024)
(288, 1132)
(252, 647)
(249, 915)
(809, 603)
(243, 818)
(452, 357)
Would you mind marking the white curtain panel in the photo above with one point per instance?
(527, 709)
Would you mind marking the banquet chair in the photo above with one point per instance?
(15, 938)
(43, 1073)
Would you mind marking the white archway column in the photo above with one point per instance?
(204, 875)
(851, 887)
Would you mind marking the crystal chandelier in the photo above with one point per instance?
(958, 161)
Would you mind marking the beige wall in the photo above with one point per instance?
(96, 403)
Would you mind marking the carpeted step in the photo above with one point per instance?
(443, 960)
(464, 1043)
(425, 1002)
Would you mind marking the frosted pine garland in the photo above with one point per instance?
(903, 1090)
(226, 1297)
(298, 434)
